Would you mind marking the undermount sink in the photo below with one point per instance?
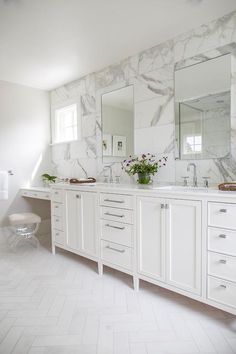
(183, 188)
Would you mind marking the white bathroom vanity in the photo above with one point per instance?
(182, 239)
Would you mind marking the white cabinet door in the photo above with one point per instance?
(73, 219)
(81, 221)
(183, 249)
(88, 229)
(151, 230)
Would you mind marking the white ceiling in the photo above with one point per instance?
(46, 43)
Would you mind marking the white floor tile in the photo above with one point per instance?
(59, 305)
(11, 339)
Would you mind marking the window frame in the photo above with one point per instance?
(194, 152)
(63, 105)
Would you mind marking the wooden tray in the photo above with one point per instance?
(82, 180)
(228, 186)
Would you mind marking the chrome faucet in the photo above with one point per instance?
(194, 173)
(108, 167)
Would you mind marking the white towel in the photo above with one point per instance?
(3, 185)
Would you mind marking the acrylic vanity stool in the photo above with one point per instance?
(25, 226)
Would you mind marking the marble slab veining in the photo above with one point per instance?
(152, 74)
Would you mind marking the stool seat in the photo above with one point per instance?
(24, 219)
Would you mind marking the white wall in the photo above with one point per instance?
(151, 72)
(24, 144)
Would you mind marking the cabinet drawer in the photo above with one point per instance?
(36, 194)
(222, 266)
(57, 195)
(222, 291)
(116, 200)
(115, 214)
(222, 241)
(116, 254)
(57, 209)
(46, 195)
(222, 215)
(57, 223)
(117, 232)
(59, 236)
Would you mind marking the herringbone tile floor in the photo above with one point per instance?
(58, 304)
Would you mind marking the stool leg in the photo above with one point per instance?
(17, 240)
(33, 240)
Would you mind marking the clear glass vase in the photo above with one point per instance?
(144, 178)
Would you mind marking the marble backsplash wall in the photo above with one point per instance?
(152, 74)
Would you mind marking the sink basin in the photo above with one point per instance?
(182, 189)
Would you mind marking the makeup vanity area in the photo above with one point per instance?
(181, 237)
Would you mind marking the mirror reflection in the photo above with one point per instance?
(118, 124)
(202, 109)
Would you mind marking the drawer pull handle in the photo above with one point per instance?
(57, 234)
(223, 286)
(47, 196)
(223, 261)
(78, 196)
(115, 249)
(162, 206)
(223, 210)
(115, 227)
(55, 192)
(57, 220)
(222, 236)
(56, 206)
(118, 216)
(113, 201)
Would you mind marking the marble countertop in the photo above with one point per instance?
(153, 189)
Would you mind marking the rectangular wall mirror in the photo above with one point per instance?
(202, 109)
(118, 124)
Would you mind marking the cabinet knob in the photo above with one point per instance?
(223, 261)
(223, 286)
(78, 196)
(223, 210)
(222, 236)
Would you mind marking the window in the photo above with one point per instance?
(65, 124)
(192, 144)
